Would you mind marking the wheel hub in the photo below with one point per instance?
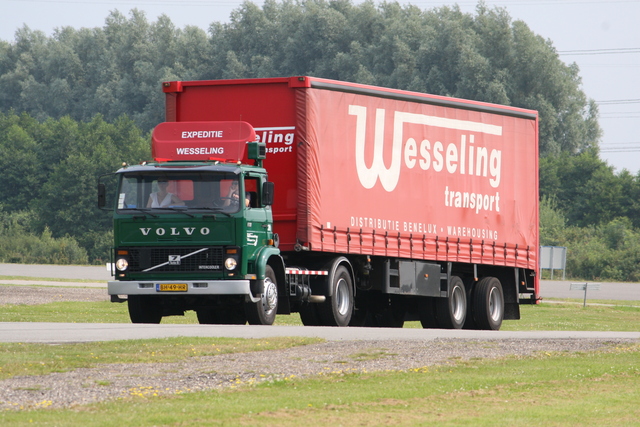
(270, 297)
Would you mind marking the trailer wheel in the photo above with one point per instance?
(452, 311)
(470, 322)
(144, 309)
(427, 313)
(488, 304)
(337, 309)
(264, 311)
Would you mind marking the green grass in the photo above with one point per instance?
(573, 317)
(47, 279)
(41, 359)
(542, 317)
(599, 389)
(95, 312)
(66, 312)
(590, 389)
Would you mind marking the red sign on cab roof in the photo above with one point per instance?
(188, 141)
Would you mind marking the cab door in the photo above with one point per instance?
(257, 215)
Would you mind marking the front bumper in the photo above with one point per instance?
(194, 287)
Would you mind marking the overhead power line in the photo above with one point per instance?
(619, 147)
(614, 51)
(619, 101)
(620, 150)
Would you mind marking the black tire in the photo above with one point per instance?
(144, 309)
(359, 313)
(264, 311)
(207, 316)
(470, 321)
(383, 311)
(229, 315)
(488, 304)
(451, 312)
(337, 309)
(427, 313)
(388, 318)
(309, 314)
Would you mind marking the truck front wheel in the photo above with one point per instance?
(144, 309)
(222, 314)
(337, 309)
(264, 311)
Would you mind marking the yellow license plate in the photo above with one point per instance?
(171, 287)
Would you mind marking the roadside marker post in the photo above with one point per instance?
(584, 287)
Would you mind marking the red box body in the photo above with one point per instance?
(376, 171)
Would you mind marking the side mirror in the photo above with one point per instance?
(102, 195)
(267, 193)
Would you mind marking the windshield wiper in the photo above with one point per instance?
(145, 211)
(181, 209)
(216, 210)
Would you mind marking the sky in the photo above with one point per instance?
(601, 36)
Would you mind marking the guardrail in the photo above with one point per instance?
(585, 287)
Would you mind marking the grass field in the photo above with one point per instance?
(551, 316)
(591, 389)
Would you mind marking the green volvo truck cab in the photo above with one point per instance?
(196, 235)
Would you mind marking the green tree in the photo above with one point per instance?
(117, 69)
(586, 188)
(19, 162)
(485, 56)
(552, 223)
(50, 172)
(88, 92)
(67, 199)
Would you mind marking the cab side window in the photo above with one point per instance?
(251, 192)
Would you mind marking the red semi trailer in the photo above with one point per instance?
(388, 205)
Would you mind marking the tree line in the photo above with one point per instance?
(80, 102)
(48, 197)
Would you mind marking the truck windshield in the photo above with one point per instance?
(182, 192)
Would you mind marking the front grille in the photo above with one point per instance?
(175, 259)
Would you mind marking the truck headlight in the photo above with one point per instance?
(230, 263)
(122, 264)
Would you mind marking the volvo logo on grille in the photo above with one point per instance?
(174, 231)
(174, 260)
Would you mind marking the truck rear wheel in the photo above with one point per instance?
(488, 304)
(309, 315)
(452, 311)
(144, 309)
(264, 311)
(337, 309)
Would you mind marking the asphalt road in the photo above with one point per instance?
(84, 332)
(75, 272)
(73, 332)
